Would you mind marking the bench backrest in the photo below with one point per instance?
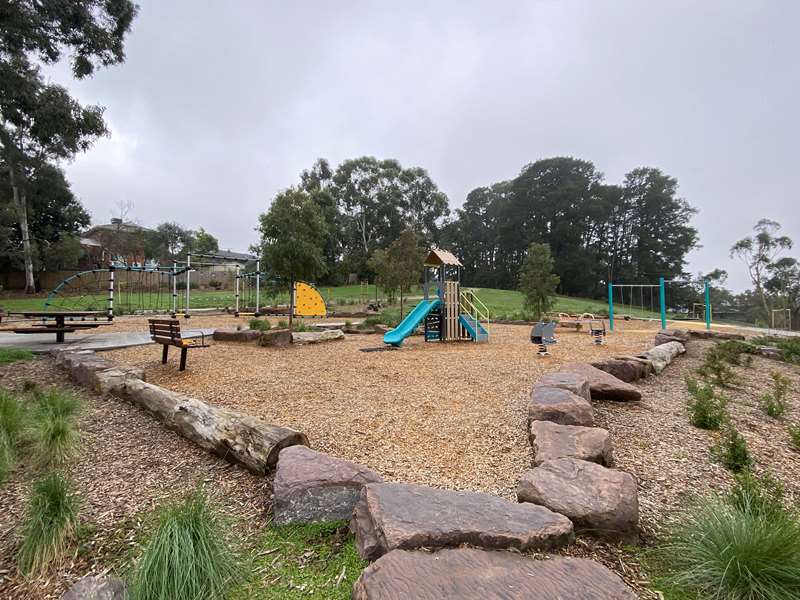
(165, 331)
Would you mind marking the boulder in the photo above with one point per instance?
(82, 367)
(112, 380)
(97, 587)
(573, 382)
(551, 441)
(625, 368)
(599, 501)
(471, 574)
(315, 337)
(704, 334)
(602, 385)
(311, 486)
(236, 335)
(559, 406)
(391, 516)
(380, 328)
(770, 352)
(672, 335)
(660, 356)
(275, 337)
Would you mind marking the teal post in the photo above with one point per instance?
(610, 306)
(708, 304)
(663, 300)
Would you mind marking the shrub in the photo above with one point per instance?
(11, 355)
(54, 440)
(707, 410)
(50, 522)
(794, 435)
(789, 346)
(773, 402)
(743, 547)
(732, 351)
(260, 324)
(731, 451)
(59, 403)
(298, 325)
(717, 371)
(186, 558)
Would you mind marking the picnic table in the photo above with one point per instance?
(60, 326)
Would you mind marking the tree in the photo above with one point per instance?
(398, 267)
(759, 252)
(204, 242)
(172, 241)
(39, 122)
(293, 238)
(537, 281)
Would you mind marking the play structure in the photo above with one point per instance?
(214, 281)
(447, 312)
(634, 299)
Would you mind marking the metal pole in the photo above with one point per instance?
(708, 304)
(237, 291)
(610, 306)
(188, 274)
(174, 288)
(258, 285)
(663, 300)
(111, 293)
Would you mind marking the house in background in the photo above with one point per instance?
(118, 241)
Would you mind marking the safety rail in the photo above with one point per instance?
(470, 304)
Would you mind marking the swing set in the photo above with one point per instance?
(654, 293)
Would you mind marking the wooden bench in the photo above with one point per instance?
(167, 332)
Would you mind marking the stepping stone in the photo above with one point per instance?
(551, 440)
(625, 368)
(470, 574)
(672, 335)
(604, 386)
(311, 486)
(661, 356)
(391, 516)
(572, 382)
(559, 406)
(599, 501)
(97, 587)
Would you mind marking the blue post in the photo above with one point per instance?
(708, 304)
(610, 306)
(663, 301)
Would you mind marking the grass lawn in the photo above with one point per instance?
(502, 304)
(10, 355)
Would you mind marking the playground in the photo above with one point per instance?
(450, 415)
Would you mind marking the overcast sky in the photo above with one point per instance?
(221, 104)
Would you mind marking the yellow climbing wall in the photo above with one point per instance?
(307, 301)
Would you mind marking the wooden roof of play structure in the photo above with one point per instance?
(438, 257)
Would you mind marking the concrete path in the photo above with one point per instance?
(42, 344)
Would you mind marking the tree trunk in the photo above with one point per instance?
(401, 303)
(21, 205)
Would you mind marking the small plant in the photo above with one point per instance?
(30, 387)
(54, 440)
(260, 324)
(50, 522)
(186, 557)
(58, 403)
(794, 435)
(789, 346)
(283, 324)
(731, 451)
(734, 352)
(11, 355)
(717, 371)
(745, 546)
(12, 417)
(773, 402)
(707, 409)
(300, 326)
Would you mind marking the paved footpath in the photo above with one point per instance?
(42, 344)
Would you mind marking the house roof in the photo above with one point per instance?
(229, 255)
(437, 257)
(125, 227)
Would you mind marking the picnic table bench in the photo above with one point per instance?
(60, 326)
(167, 332)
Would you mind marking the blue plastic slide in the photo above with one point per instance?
(407, 326)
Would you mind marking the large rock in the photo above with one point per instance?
(551, 441)
(112, 380)
(315, 337)
(559, 406)
(470, 574)
(572, 382)
(600, 501)
(604, 386)
(314, 487)
(96, 587)
(660, 356)
(236, 335)
(275, 337)
(704, 334)
(625, 368)
(391, 516)
(665, 336)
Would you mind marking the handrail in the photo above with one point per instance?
(474, 307)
